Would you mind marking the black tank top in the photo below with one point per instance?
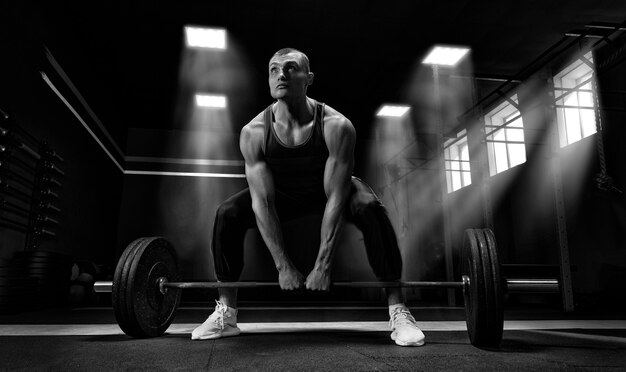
(298, 171)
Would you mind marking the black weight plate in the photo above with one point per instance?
(10, 281)
(118, 290)
(121, 298)
(49, 275)
(14, 291)
(11, 272)
(127, 295)
(40, 264)
(44, 256)
(486, 333)
(154, 311)
(484, 302)
(49, 270)
(498, 288)
(10, 263)
(475, 303)
(34, 259)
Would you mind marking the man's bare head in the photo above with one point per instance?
(304, 60)
(289, 74)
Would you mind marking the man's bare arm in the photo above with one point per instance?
(261, 186)
(341, 139)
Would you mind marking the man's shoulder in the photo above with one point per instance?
(334, 117)
(252, 134)
(255, 125)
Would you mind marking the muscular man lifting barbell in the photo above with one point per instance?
(299, 156)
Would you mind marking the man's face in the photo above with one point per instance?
(287, 77)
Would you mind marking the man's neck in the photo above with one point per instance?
(294, 112)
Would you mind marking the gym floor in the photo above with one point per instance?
(304, 338)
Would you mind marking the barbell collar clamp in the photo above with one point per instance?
(161, 284)
(465, 280)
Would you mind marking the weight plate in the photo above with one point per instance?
(49, 275)
(474, 296)
(35, 259)
(10, 263)
(118, 290)
(11, 272)
(498, 288)
(485, 261)
(10, 281)
(12, 291)
(154, 311)
(43, 263)
(483, 300)
(52, 271)
(47, 255)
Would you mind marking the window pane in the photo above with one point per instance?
(514, 134)
(467, 178)
(586, 86)
(572, 121)
(585, 99)
(456, 181)
(454, 152)
(562, 129)
(571, 99)
(499, 135)
(492, 159)
(588, 118)
(501, 157)
(455, 165)
(464, 152)
(517, 154)
(517, 123)
(465, 166)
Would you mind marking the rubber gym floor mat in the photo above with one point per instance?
(522, 350)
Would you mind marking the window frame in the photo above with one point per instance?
(493, 129)
(461, 146)
(585, 126)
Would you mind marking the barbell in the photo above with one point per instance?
(145, 290)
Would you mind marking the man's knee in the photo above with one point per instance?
(226, 210)
(367, 207)
(363, 198)
(230, 209)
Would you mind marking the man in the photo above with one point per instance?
(299, 156)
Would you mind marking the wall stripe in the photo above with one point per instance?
(135, 158)
(184, 174)
(69, 83)
(147, 159)
(55, 90)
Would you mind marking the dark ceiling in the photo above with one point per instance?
(127, 57)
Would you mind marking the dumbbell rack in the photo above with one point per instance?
(30, 182)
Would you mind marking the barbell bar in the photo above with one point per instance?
(513, 285)
(146, 287)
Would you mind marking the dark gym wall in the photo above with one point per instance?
(91, 192)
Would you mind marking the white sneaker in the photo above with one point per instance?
(405, 331)
(222, 323)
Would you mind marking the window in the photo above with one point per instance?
(457, 163)
(504, 130)
(575, 108)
